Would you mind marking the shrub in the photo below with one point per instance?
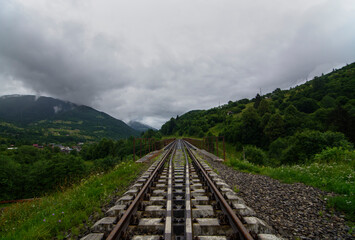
(255, 155)
(276, 147)
(328, 102)
(304, 145)
(335, 154)
(106, 163)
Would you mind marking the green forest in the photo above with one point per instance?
(28, 172)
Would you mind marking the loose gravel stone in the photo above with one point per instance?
(295, 211)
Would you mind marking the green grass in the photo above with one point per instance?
(217, 129)
(54, 215)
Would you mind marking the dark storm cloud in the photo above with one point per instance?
(60, 59)
(150, 61)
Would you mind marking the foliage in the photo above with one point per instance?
(56, 215)
(30, 172)
(336, 155)
(275, 127)
(303, 145)
(255, 155)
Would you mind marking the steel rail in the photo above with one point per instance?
(235, 222)
(188, 211)
(124, 221)
(168, 233)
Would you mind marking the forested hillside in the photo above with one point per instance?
(30, 119)
(289, 125)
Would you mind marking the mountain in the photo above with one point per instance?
(31, 118)
(140, 127)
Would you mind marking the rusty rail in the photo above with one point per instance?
(234, 221)
(123, 223)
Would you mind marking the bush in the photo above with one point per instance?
(105, 163)
(306, 105)
(335, 154)
(304, 145)
(255, 155)
(276, 147)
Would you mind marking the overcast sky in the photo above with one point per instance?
(150, 60)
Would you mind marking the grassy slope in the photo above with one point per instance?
(55, 215)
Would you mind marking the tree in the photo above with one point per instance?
(293, 120)
(250, 131)
(340, 120)
(275, 127)
(257, 100)
(306, 105)
(328, 102)
(264, 107)
(309, 142)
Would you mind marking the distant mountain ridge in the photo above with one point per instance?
(25, 109)
(140, 127)
(47, 118)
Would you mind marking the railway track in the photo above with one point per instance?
(180, 197)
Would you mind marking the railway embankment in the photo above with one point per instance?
(295, 211)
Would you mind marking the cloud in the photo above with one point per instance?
(152, 60)
(57, 109)
(58, 58)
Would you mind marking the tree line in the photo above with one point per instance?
(28, 172)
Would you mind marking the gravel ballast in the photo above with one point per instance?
(295, 211)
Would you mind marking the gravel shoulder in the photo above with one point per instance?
(295, 211)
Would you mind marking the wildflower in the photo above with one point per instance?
(59, 220)
(44, 220)
(62, 212)
(53, 214)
